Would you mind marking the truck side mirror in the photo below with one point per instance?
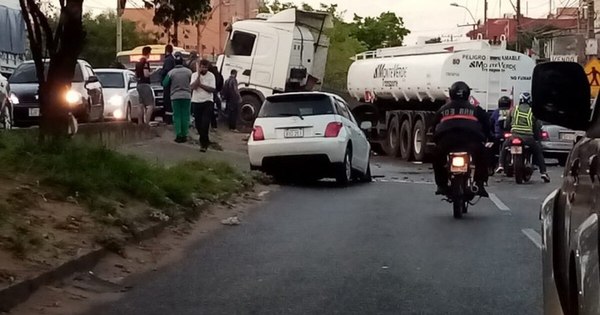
(561, 95)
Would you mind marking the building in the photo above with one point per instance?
(208, 38)
(506, 27)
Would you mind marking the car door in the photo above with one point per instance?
(359, 154)
(94, 88)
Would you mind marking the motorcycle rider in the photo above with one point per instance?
(499, 117)
(460, 126)
(523, 124)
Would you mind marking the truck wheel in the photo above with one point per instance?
(406, 144)
(249, 109)
(419, 140)
(392, 142)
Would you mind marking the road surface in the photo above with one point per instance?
(389, 247)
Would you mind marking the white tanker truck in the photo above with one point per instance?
(401, 88)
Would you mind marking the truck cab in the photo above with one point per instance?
(286, 52)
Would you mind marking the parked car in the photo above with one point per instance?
(558, 141)
(569, 215)
(312, 135)
(158, 89)
(6, 113)
(122, 98)
(84, 96)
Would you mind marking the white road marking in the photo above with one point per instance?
(501, 206)
(534, 237)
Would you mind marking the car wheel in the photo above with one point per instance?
(367, 178)
(344, 171)
(128, 113)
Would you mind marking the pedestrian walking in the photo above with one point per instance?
(179, 79)
(233, 99)
(203, 84)
(142, 72)
(216, 99)
(168, 65)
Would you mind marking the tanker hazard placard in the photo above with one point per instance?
(390, 74)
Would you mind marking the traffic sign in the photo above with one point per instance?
(592, 70)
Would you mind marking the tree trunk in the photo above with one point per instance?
(70, 38)
(175, 40)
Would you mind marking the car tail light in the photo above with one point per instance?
(333, 129)
(545, 135)
(258, 134)
(507, 135)
(517, 141)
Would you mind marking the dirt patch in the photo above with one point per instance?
(116, 274)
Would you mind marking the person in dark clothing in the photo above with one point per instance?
(142, 72)
(168, 65)
(217, 100)
(460, 126)
(233, 99)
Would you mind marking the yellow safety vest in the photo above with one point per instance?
(522, 122)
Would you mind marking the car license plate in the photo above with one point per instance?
(34, 112)
(294, 133)
(516, 150)
(568, 136)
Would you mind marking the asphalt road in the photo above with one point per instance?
(389, 247)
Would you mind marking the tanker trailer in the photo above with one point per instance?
(401, 88)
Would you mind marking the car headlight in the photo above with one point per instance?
(14, 99)
(116, 100)
(118, 114)
(73, 97)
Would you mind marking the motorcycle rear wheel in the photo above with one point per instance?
(459, 206)
(519, 169)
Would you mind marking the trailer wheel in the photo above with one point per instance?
(406, 144)
(419, 140)
(249, 109)
(392, 141)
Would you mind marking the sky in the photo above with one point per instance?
(424, 18)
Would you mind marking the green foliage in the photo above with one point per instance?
(92, 172)
(100, 47)
(387, 30)
(169, 13)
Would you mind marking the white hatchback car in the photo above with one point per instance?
(120, 94)
(312, 135)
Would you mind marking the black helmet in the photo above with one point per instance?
(460, 91)
(504, 102)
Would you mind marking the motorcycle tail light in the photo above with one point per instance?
(458, 161)
(507, 135)
(517, 141)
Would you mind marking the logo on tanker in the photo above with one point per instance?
(390, 75)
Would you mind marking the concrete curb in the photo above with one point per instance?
(20, 292)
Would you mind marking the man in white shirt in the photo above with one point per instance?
(203, 86)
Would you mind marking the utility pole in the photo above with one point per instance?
(485, 18)
(590, 17)
(518, 24)
(120, 9)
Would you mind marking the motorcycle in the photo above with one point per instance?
(521, 160)
(462, 186)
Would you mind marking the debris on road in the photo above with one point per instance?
(231, 221)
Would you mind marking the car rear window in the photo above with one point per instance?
(297, 105)
(26, 73)
(111, 80)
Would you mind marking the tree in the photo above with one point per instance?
(62, 45)
(376, 32)
(101, 30)
(170, 13)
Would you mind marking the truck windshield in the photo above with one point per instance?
(26, 73)
(297, 105)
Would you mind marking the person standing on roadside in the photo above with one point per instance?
(216, 99)
(233, 99)
(142, 72)
(179, 79)
(168, 65)
(203, 85)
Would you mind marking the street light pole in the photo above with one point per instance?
(454, 4)
(120, 9)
